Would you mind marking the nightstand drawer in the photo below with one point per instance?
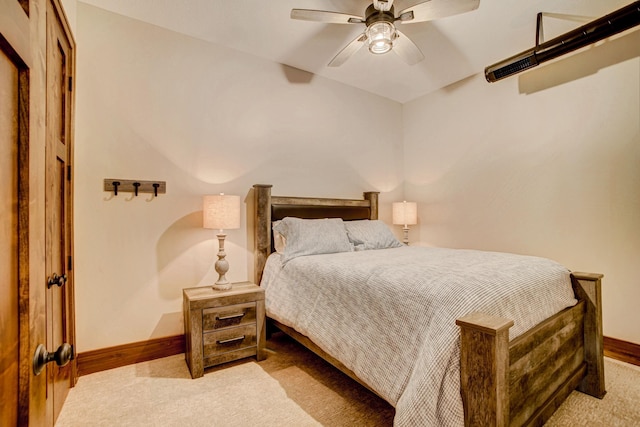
(230, 339)
(224, 317)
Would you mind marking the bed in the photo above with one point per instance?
(501, 377)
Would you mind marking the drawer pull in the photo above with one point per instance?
(230, 316)
(230, 340)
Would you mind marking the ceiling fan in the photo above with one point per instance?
(381, 34)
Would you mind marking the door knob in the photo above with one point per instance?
(61, 356)
(56, 280)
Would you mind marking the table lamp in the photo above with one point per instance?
(221, 212)
(405, 214)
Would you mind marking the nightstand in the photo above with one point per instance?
(221, 326)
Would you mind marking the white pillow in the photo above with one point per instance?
(370, 234)
(279, 241)
(312, 237)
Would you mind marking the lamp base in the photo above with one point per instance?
(405, 229)
(222, 266)
(221, 286)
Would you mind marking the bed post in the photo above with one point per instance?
(588, 287)
(484, 369)
(372, 197)
(262, 193)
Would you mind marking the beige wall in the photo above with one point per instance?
(542, 164)
(153, 104)
(547, 163)
(70, 7)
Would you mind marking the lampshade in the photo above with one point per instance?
(380, 36)
(405, 213)
(221, 211)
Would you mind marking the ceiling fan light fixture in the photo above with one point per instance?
(380, 36)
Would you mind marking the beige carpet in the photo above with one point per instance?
(292, 387)
(619, 407)
(161, 393)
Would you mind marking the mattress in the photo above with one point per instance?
(389, 314)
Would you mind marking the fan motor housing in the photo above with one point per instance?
(375, 15)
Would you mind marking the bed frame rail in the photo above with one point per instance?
(523, 382)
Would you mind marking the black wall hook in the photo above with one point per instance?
(115, 187)
(137, 186)
(155, 189)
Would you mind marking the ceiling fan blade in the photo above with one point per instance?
(325, 16)
(406, 49)
(348, 50)
(434, 9)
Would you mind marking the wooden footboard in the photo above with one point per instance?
(523, 382)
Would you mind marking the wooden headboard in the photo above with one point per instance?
(270, 208)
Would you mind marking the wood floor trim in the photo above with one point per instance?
(128, 354)
(622, 350)
(143, 351)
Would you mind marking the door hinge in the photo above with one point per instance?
(69, 263)
(68, 172)
(70, 84)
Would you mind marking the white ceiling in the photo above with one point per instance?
(454, 48)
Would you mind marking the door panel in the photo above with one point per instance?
(33, 175)
(58, 207)
(9, 284)
(35, 159)
(15, 241)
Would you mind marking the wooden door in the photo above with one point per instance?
(16, 53)
(34, 172)
(58, 208)
(15, 84)
(9, 303)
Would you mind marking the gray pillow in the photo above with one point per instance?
(312, 237)
(371, 234)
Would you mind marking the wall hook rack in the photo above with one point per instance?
(134, 186)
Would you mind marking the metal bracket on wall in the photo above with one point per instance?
(134, 186)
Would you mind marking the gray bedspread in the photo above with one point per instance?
(389, 315)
